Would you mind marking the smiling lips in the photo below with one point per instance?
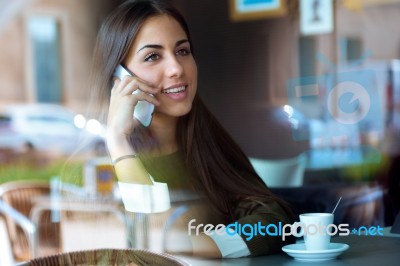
(174, 90)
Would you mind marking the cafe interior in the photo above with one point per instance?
(309, 89)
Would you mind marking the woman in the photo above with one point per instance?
(152, 40)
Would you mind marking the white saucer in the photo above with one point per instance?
(299, 252)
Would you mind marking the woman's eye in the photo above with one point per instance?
(152, 57)
(183, 51)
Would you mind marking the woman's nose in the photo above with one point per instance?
(174, 67)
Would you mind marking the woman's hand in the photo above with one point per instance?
(120, 121)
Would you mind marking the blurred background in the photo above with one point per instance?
(269, 70)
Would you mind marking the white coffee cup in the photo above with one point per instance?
(316, 230)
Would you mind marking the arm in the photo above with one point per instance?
(204, 246)
(131, 170)
(120, 124)
(267, 214)
(230, 245)
(236, 244)
(138, 190)
(213, 245)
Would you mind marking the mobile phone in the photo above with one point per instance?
(143, 110)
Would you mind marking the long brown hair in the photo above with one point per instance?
(219, 168)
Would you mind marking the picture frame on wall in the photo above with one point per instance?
(243, 10)
(316, 17)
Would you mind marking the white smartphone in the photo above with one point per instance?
(143, 109)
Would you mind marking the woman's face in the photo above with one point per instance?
(161, 55)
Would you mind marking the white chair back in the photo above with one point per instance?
(281, 173)
(6, 256)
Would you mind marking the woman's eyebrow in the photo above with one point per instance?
(154, 46)
(158, 46)
(181, 41)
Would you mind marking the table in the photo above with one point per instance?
(364, 250)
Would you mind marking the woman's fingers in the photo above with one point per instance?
(130, 84)
(136, 90)
(119, 100)
(125, 94)
(115, 86)
(140, 95)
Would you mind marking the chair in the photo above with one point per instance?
(107, 257)
(361, 203)
(281, 173)
(17, 202)
(6, 256)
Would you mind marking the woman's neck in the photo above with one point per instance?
(163, 128)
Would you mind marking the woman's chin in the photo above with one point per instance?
(177, 111)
